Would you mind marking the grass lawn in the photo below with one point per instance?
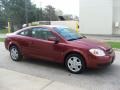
(1, 39)
(114, 44)
(3, 31)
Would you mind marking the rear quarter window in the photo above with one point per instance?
(25, 33)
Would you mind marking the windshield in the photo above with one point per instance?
(68, 34)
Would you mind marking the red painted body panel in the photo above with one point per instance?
(38, 48)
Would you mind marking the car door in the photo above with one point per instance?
(43, 48)
(24, 40)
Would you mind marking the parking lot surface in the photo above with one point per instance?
(102, 79)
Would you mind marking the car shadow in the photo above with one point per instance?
(52, 65)
(109, 70)
(44, 63)
(99, 71)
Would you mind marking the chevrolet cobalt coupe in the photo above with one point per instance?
(59, 44)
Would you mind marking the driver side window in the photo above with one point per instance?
(41, 33)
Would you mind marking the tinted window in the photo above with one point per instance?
(41, 33)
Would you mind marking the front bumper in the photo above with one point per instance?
(106, 64)
(98, 62)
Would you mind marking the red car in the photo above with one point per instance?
(59, 44)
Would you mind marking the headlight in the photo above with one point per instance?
(97, 52)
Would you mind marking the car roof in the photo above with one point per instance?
(56, 26)
(44, 26)
(49, 26)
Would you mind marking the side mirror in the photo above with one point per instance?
(53, 39)
(84, 37)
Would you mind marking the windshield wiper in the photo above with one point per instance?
(72, 39)
(75, 39)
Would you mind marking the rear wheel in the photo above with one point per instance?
(15, 53)
(75, 63)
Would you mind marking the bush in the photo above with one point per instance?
(3, 31)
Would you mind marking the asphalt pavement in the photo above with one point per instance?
(99, 79)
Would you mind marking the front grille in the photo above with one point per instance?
(109, 51)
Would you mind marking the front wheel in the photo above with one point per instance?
(15, 53)
(75, 63)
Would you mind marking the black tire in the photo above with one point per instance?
(80, 60)
(18, 56)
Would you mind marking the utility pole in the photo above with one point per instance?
(26, 12)
(9, 26)
(41, 17)
(49, 16)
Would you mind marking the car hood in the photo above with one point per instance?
(91, 43)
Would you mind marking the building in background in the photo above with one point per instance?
(100, 17)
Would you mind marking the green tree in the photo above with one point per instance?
(50, 13)
(16, 10)
(20, 12)
(2, 17)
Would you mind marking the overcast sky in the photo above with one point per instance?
(67, 6)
